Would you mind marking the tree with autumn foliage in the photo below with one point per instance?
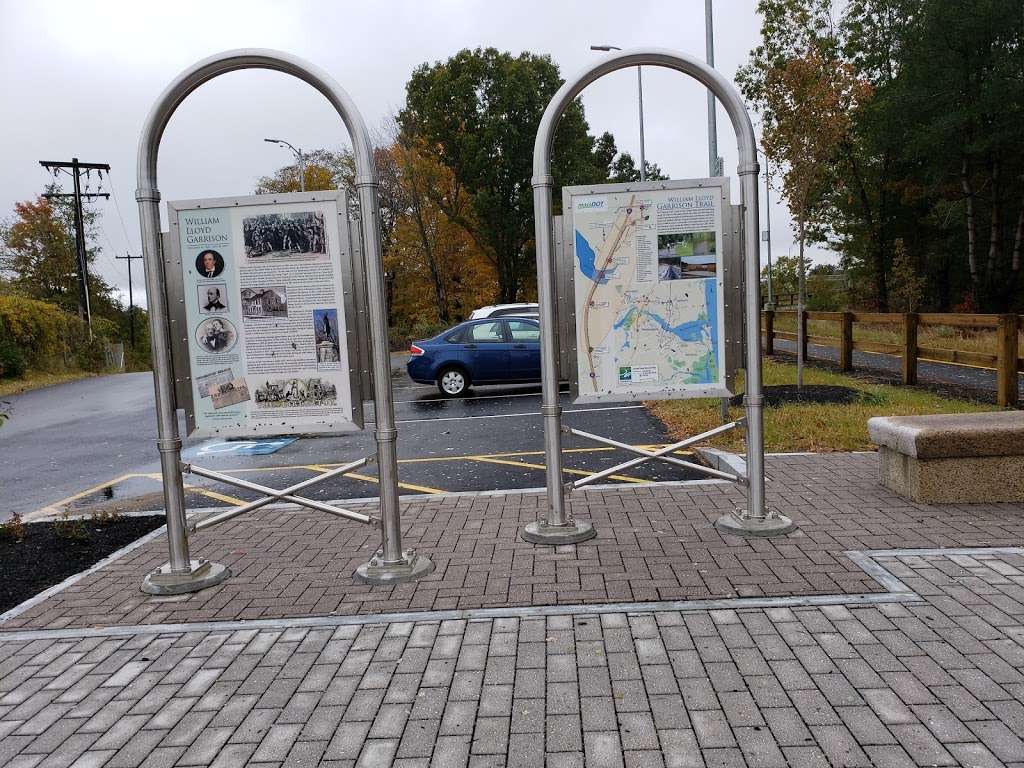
(39, 293)
(430, 250)
(806, 96)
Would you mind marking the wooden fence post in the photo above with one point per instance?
(769, 332)
(803, 319)
(910, 348)
(1006, 365)
(846, 343)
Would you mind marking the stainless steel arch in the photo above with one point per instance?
(182, 574)
(558, 527)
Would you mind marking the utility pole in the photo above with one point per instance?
(131, 299)
(75, 170)
(714, 161)
(767, 237)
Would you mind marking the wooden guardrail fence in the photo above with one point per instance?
(1006, 361)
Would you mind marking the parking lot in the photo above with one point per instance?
(490, 439)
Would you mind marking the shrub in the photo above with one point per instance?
(71, 528)
(12, 361)
(40, 331)
(13, 529)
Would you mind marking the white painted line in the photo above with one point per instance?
(512, 415)
(468, 399)
(34, 601)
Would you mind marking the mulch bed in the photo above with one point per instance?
(42, 557)
(810, 393)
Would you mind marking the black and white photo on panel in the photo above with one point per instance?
(296, 392)
(213, 298)
(264, 301)
(285, 235)
(216, 334)
(209, 264)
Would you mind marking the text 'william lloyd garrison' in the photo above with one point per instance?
(198, 231)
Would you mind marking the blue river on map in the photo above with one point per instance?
(587, 258)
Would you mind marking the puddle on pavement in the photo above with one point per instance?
(127, 494)
(132, 496)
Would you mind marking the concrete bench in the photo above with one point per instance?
(952, 458)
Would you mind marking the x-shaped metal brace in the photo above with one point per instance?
(662, 454)
(286, 494)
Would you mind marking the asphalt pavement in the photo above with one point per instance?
(90, 443)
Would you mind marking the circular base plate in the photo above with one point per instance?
(736, 525)
(412, 568)
(201, 574)
(555, 535)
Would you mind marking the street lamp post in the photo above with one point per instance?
(640, 98)
(768, 227)
(299, 156)
(714, 162)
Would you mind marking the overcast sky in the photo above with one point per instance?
(78, 78)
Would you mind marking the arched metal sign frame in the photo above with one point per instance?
(558, 527)
(183, 574)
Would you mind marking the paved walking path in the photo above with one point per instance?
(654, 543)
(878, 656)
(981, 381)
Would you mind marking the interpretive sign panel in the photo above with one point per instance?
(266, 286)
(648, 291)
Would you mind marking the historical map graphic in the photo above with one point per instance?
(648, 317)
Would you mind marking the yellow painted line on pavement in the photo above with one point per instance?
(471, 457)
(197, 489)
(494, 458)
(490, 460)
(53, 509)
(214, 495)
(371, 479)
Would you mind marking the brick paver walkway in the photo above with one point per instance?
(655, 543)
(934, 682)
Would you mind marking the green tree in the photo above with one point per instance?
(960, 93)
(479, 112)
(908, 283)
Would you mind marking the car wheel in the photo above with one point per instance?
(452, 382)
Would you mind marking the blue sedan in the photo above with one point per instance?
(492, 351)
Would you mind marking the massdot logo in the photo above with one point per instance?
(625, 373)
(590, 205)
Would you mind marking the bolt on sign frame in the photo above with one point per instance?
(182, 573)
(557, 526)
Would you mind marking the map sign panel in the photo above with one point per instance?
(647, 281)
(264, 300)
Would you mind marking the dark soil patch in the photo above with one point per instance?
(42, 558)
(826, 394)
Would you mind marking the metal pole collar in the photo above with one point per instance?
(151, 195)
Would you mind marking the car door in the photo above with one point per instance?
(524, 359)
(487, 351)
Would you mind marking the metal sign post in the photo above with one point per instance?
(557, 526)
(182, 573)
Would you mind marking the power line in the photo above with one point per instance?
(117, 207)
